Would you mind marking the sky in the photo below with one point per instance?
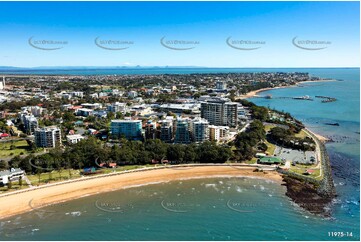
(260, 34)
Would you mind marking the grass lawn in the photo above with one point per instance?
(270, 148)
(252, 161)
(15, 186)
(268, 127)
(302, 134)
(126, 168)
(54, 176)
(21, 146)
(300, 169)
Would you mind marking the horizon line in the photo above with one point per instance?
(194, 67)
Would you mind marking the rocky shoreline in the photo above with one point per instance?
(311, 194)
(307, 196)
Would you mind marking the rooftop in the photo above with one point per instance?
(125, 121)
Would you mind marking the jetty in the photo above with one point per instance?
(327, 99)
(306, 97)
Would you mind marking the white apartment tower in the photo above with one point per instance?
(220, 112)
(2, 84)
(48, 137)
(199, 130)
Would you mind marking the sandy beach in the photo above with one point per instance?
(254, 93)
(323, 139)
(49, 194)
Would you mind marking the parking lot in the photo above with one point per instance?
(300, 157)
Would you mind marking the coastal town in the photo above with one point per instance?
(59, 128)
(180, 121)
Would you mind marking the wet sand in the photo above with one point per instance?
(28, 199)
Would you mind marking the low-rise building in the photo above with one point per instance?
(77, 94)
(14, 174)
(180, 108)
(117, 107)
(132, 94)
(92, 105)
(84, 112)
(270, 160)
(74, 138)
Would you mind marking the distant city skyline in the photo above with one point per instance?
(177, 34)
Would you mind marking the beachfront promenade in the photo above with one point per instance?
(18, 202)
(85, 178)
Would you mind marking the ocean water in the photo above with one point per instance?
(223, 208)
(150, 70)
(199, 209)
(344, 152)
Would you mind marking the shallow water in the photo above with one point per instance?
(223, 208)
(197, 209)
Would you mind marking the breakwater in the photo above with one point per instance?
(312, 194)
(327, 99)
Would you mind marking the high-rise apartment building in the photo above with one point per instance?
(220, 112)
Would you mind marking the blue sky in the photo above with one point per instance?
(209, 24)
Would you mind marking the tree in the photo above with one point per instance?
(110, 115)
(21, 181)
(119, 115)
(68, 163)
(176, 152)
(190, 153)
(3, 165)
(156, 148)
(260, 113)
(38, 171)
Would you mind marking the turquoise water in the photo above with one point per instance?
(199, 209)
(345, 151)
(223, 208)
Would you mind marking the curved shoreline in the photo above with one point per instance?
(255, 92)
(17, 203)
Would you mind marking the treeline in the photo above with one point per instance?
(250, 141)
(16, 105)
(286, 138)
(255, 86)
(90, 152)
(262, 114)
